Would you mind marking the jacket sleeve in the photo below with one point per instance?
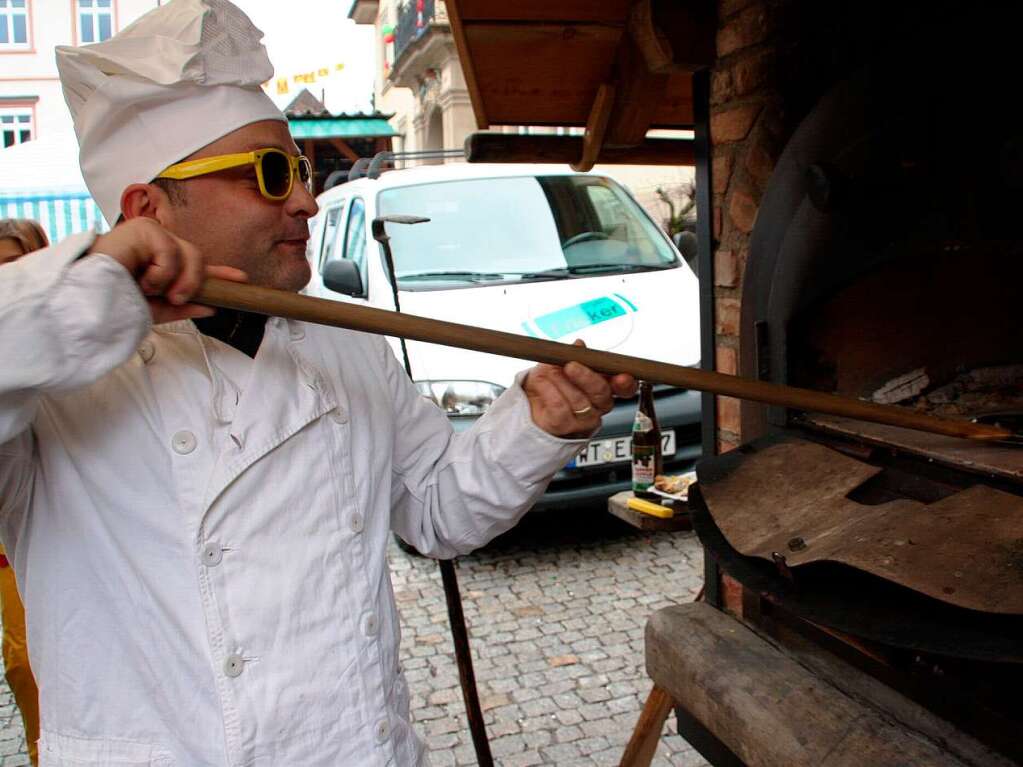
(453, 492)
(65, 321)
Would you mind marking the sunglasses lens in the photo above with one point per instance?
(305, 172)
(276, 173)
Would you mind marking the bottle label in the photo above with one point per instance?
(644, 460)
(642, 423)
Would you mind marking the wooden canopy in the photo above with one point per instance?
(618, 67)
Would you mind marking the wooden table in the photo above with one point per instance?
(616, 506)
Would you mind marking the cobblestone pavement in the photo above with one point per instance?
(556, 610)
(12, 735)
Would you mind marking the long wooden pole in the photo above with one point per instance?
(279, 303)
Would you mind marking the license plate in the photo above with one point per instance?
(616, 450)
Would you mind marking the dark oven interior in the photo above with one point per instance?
(886, 263)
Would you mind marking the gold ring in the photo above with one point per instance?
(584, 411)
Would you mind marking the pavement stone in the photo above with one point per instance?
(556, 610)
(565, 596)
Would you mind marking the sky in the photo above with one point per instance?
(304, 36)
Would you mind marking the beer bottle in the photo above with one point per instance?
(646, 444)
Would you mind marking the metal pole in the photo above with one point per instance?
(456, 618)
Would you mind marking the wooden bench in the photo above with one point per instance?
(773, 707)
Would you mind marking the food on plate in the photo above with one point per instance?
(676, 484)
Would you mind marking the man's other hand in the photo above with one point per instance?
(569, 401)
(169, 271)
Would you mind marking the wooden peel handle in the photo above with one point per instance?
(279, 303)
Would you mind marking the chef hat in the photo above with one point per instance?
(180, 77)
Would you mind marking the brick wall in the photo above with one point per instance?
(745, 129)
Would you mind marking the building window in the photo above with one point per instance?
(95, 20)
(14, 25)
(15, 125)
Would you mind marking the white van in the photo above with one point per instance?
(531, 249)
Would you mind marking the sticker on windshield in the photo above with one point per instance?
(572, 319)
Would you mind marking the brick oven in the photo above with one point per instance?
(867, 170)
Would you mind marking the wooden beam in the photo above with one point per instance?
(468, 67)
(674, 36)
(343, 148)
(640, 92)
(642, 746)
(596, 127)
(509, 147)
(649, 40)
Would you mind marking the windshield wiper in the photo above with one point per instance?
(567, 271)
(462, 276)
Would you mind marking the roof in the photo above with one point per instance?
(337, 127)
(619, 67)
(305, 104)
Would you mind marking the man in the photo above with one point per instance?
(199, 519)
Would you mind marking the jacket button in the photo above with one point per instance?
(382, 730)
(369, 625)
(338, 415)
(183, 442)
(356, 522)
(233, 665)
(212, 554)
(146, 351)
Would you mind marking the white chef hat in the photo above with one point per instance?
(178, 78)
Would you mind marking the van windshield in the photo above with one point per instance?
(520, 229)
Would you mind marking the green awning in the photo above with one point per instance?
(315, 128)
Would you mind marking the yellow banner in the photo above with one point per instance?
(282, 84)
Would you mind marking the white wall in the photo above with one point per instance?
(34, 73)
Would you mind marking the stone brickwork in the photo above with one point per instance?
(745, 130)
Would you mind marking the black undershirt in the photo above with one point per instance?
(242, 330)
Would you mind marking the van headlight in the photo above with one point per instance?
(461, 397)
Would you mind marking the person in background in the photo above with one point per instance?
(18, 236)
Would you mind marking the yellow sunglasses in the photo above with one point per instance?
(275, 170)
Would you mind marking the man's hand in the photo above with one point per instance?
(168, 270)
(569, 401)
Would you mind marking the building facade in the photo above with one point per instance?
(31, 102)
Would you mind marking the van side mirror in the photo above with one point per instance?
(342, 276)
(687, 246)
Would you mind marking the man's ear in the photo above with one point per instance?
(145, 200)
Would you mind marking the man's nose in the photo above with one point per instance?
(301, 202)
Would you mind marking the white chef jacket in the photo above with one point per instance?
(200, 539)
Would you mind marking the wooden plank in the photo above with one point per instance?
(509, 147)
(596, 127)
(544, 11)
(616, 507)
(541, 76)
(639, 751)
(650, 41)
(772, 711)
(342, 146)
(677, 36)
(468, 63)
(640, 92)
